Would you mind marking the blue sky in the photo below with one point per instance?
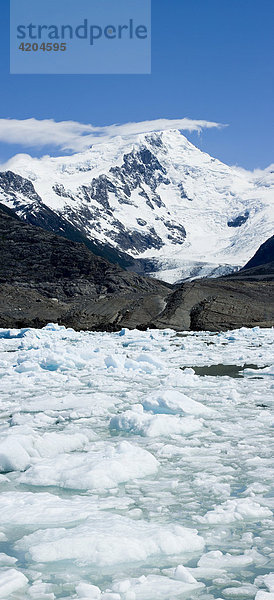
(211, 60)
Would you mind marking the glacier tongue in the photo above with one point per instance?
(155, 197)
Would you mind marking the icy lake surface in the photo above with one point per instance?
(136, 465)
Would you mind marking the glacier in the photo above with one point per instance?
(136, 465)
(175, 210)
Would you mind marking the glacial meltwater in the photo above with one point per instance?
(136, 465)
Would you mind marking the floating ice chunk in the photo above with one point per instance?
(104, 468)
(26, 366)
(53, 443)
(58, 358)
(265, 371)
(217, 560)
(41, 591)
(86, 590)
(181, 573)
(11, 581)
(116, 361)
(235, 510)
(157, 587)
(143, 362)
(123, 331)
(134, 365)
(26, 508)
(54, 327)
(13, 456)
(267, 580)
(136, 513)
(52, 361)
(147, 358)
(242, 591)
(17, 451)
(37, 420)
(122, 586)
(9, 334)
(211, 484)
(206, 573)
(258, 559)
(262, 595)
(6, 560)
(108, 539)
(48, 510)
(173, 402)
(145, 424)
(255, 488)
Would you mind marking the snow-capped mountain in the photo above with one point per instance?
(156, 198)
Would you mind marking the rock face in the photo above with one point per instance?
(260, 267)
(153, 203)
(21, 198)
(264, 255)
(45, 278)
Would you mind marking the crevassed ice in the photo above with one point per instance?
(126, 476)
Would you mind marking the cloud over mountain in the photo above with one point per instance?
(71, 136)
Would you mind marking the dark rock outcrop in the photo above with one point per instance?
(265, 254)
(260, 267)
(239, 220)
(45, 277)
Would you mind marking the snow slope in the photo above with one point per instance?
(155, 197)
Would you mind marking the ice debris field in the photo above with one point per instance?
(136, 465)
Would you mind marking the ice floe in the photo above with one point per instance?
(109, 540)
(139, 422)
(104, 467)
(11, 581)
(136, 465)
(173, 402)
(156, 586)
(236, 510)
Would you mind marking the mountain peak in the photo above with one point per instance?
(155, 197)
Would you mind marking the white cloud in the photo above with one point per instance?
(71, 136)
